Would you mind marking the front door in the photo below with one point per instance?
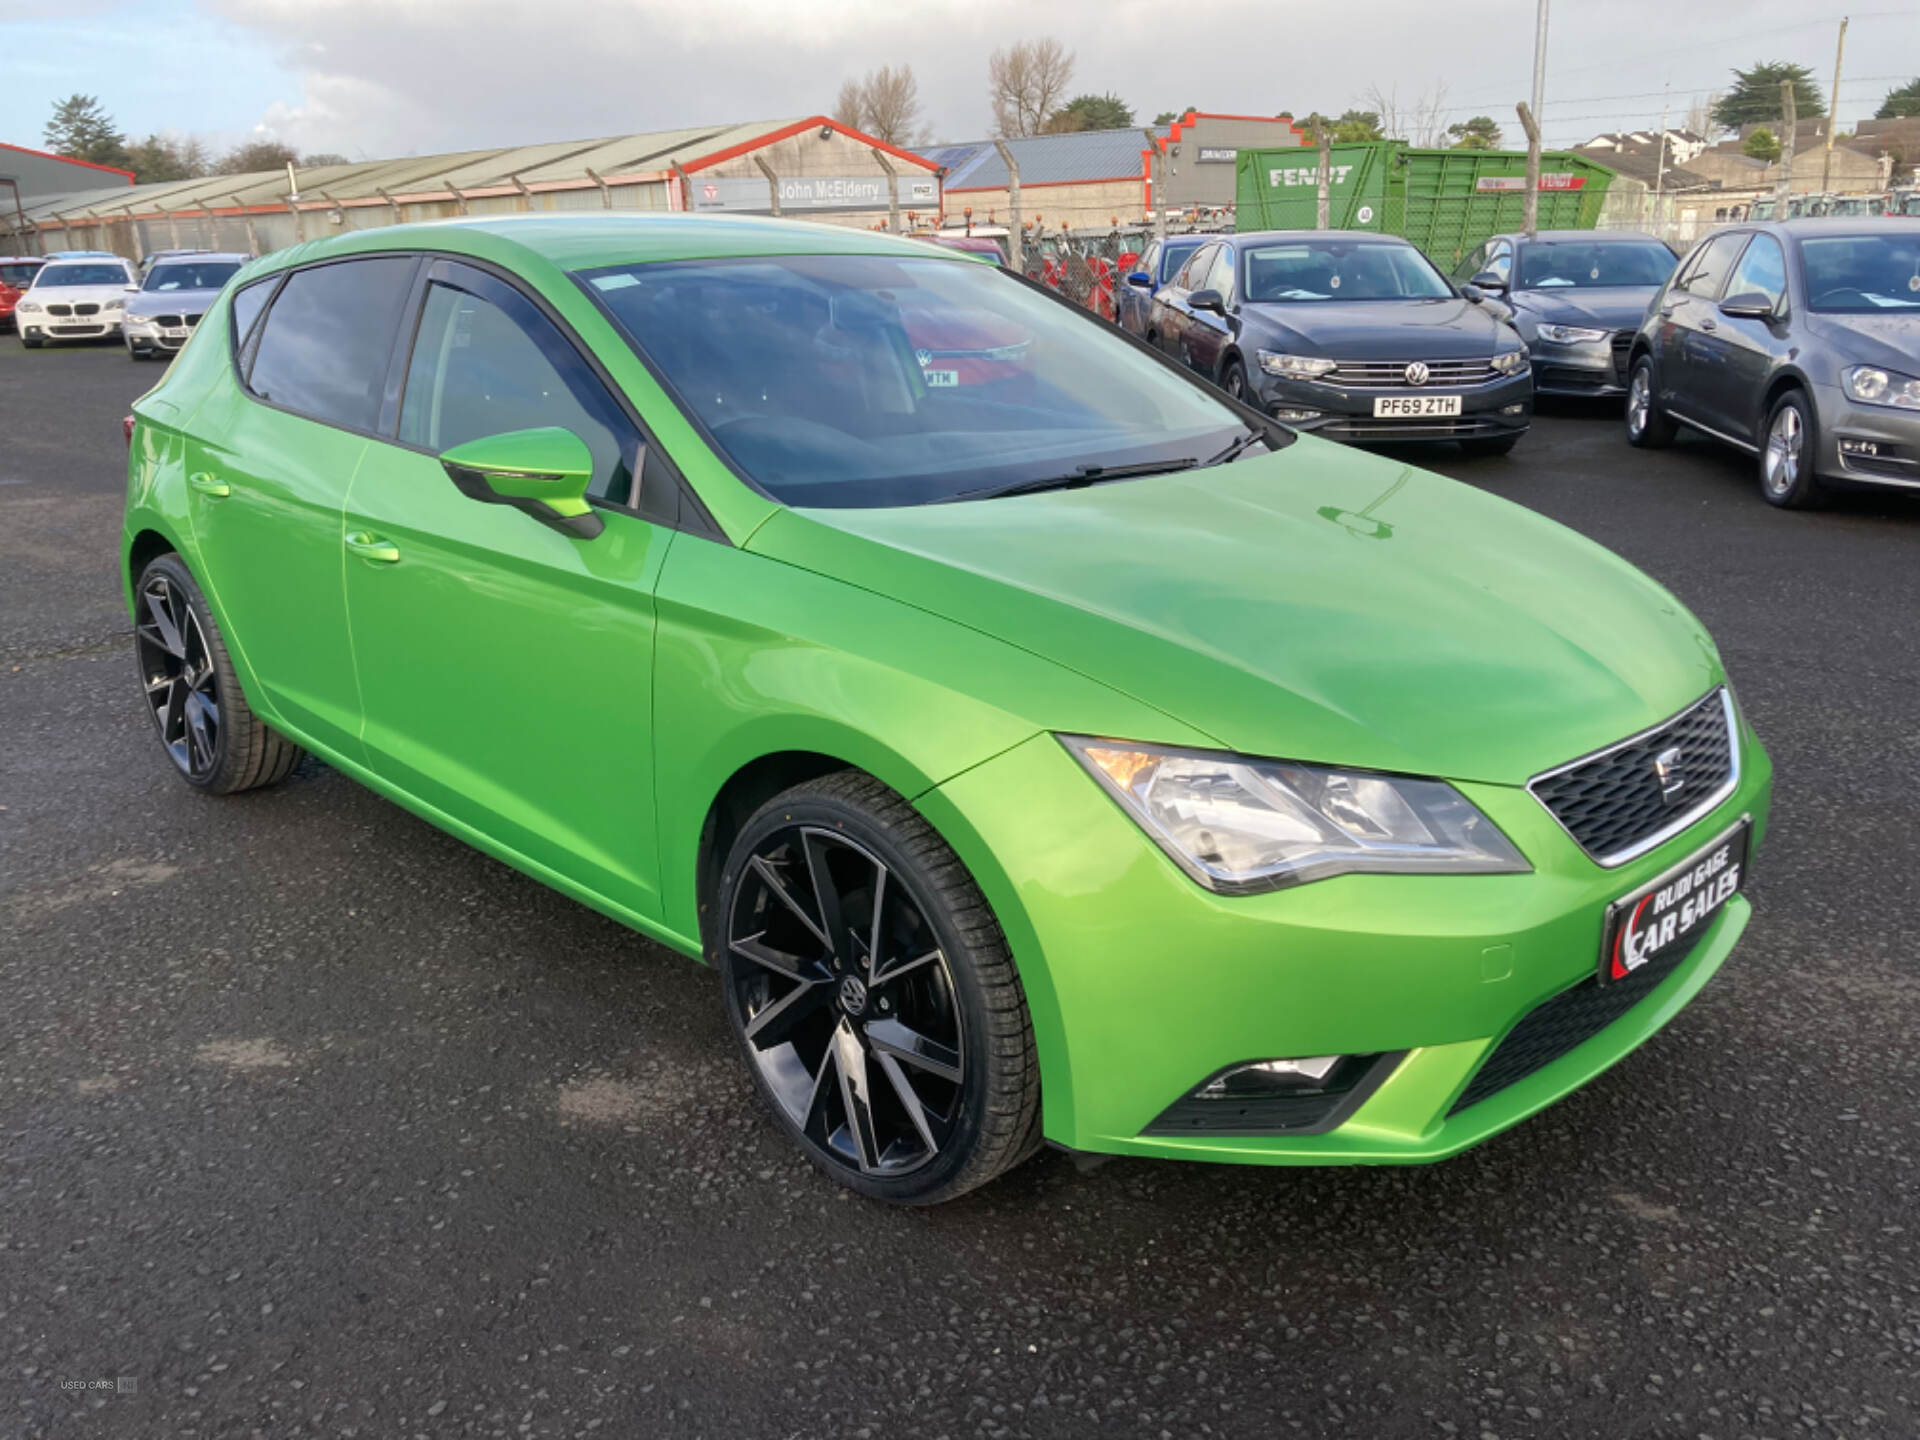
(507, 667)
(267, 495)
(1689, 322)
(1742, 349)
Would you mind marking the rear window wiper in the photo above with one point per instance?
(1078, 479)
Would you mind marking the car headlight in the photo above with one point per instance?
(1239, 825)
(1871, 385)
(1570, 334)
(1295, 367)
(28, 307)
(1510, 362)
(113, 305)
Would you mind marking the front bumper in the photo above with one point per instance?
(1866, 444)
(149, 336)
(1340, 412)
(1592, 367)
(1141, 984)
(64, 327)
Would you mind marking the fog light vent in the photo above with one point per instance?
(1277, 1097)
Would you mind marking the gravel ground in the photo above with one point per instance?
(315, 1121)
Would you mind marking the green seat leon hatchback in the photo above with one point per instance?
(1041, 745)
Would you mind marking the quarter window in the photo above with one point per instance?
(1196, 266)
(247, 305)
(1222, 277)
(325, 344)
(488, 365)
(1762, 271)
(1475, 262)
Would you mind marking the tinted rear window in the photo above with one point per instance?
(324, 347)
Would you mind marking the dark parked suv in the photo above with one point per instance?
(1798, 342)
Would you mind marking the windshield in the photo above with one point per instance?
(17, 273)
(1304, 270)
(52, 275)
(195, 275)
(1862, 274)
(871, 380)
(1590, 265)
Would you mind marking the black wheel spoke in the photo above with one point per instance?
(178, 676)
(170, 637)
(890, 1037)
(845, 1001)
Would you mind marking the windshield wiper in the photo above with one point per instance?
(1233, 451)
(1079, 479)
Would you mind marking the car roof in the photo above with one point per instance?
(1263, 236)
(1604, 237)
(1860, 225)
(182, 257)
(586, 242)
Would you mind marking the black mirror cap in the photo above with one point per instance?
(1749, 305)
(1208, 300)
(1489, 280)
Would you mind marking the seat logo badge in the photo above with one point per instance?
(1666, 769)
(853, 995)
(1417, 373)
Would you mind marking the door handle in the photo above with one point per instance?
(210, 485)
(1708, 325)
(1666, 312)
(373, 548)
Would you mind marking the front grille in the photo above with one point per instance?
(76, 329)
(166, 321)
(1622, 343)
(191, 320)
(1556, 1026)
(59, 309)
(1612, 802)
(1393, 373)
(1431, 428)
(86, 309)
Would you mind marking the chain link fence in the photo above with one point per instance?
(1089, 266)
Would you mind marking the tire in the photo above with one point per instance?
(1490, 446)
(187, 681)
(1233, 380)
(821, 1022)
(1648, 426)
(31, 344)
(1787, 450)
(133, 354)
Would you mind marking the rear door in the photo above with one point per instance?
(1689, 318)
(507, 667)
(269, 461)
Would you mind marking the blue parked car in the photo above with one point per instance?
(1159, 265)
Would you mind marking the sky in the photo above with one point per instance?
(379, 78)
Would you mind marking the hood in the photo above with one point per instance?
(1890, 339)
(171, 302)
(76, 294)
(1604, 307)
(1449, 329)
(1319, 604)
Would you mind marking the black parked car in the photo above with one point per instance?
(1350, 335)
(1160, 263)
(1798, 342)
(1576, 297)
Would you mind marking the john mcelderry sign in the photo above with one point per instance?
(817, 192)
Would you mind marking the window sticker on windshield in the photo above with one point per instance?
(614, 282)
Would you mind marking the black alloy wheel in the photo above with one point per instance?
(182, 689)
(873, 995)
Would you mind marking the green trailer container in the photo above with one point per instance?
(1444, 201)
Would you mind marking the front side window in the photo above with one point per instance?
(486, 366)
(1710, 265)
(53, 277)
(325, 344)
(1861, 274)
(1303, 271)
(191, 275)
(1562, 265)
(1222, 277)
(875, 380)
(1762, 271)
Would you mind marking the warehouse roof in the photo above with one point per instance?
(557, 165)
(1079, 155)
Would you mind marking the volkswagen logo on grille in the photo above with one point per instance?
(1666, 769)
(1417, 373)
(853, 995)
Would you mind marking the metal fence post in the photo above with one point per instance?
(773, 182)
(1323, 204)
(606, 194)
(686, 186)
(1156, 172)
(1016, 238)
(893, 189)
(1531, 217)
(399, 218)
(246, 218)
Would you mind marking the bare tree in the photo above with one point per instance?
(1026, 83)
(885, 103)
(1421, 121)
(1700, 113)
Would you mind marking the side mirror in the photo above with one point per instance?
(1140, 280)
(1490, 281)
(544, 472)
(1749, 305)
(1208, 300)
(1471, 293)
